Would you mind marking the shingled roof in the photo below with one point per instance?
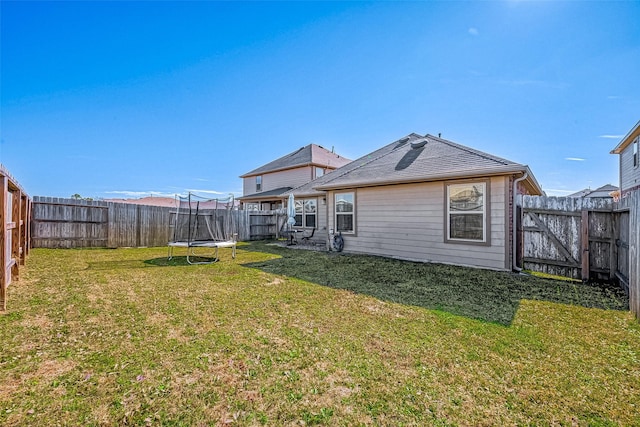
(604, 191)
(311, 154)
(416, 158)
(264, 195)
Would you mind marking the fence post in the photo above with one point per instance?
(4, 279)
(585, 244)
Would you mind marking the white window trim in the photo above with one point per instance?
(258, 183)
(336, 213)
(486, 231)
(305, 214)
(635, 154)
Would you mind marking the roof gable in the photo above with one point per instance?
(311, 154)
(419, 158)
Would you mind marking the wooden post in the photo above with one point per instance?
(16, 234)
(24, 224)
(585, 244)
(4, 280)
(613, 247)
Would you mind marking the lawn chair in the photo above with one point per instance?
(306, 237)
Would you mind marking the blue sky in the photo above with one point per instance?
(130, 99)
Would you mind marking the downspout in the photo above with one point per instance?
(514, 230)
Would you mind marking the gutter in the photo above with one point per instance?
(471, 173)
(514, 264)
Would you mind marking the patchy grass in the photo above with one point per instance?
(284, 337)
(551, 276)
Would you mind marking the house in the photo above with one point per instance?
(173, 202)
(629, 160)
(422, 198)
(606, 191)
(263, 187)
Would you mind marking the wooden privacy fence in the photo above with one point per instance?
(628, 243)
(71, 223)
(15, 214)
(588, 239)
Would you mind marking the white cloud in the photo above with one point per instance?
(614, 97)
(612, 136)
(473, 31)
(575, 159)
(536, 83)
(129, 194)
(193, 190)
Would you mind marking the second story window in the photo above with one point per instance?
(319, 172)
(259, 183)
(635, 152)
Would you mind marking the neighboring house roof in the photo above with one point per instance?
(628, 139)
(149, 201)
(169, 202)
(263, 195)
(417, 158)
(311, 154)
(604, 191)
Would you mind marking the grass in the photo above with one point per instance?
(292, 337)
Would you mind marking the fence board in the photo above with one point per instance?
(569, 237)
(15, 215)
(70, 223)
(629, 241)
(559, 232)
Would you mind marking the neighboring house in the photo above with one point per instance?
(149, 201)
(606, 191)
(172, 202)
(422, 198)
(629, 160)
(263, 188)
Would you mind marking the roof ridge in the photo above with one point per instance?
(373, 159)
(473, 151)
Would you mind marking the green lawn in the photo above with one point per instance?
(292, 337)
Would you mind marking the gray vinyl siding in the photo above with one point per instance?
(629, 175)
(407, 221)
(248, 185)
(285, 178)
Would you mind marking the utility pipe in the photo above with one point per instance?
(514, 230)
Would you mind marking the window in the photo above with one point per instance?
(344, 210)
(467, 212)
(319, 172)
(252, 206)
(259, 183)
(635, 152)
(306, 213)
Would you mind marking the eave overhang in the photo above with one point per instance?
(531, 182)
(629, 137)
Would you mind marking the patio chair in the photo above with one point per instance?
(306, 237)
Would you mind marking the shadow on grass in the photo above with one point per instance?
(479, 294)
(179, 261)
(154, 262)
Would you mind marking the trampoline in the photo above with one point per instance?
(203, 226)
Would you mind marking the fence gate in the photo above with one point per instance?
(622, 246)
(569, 237)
